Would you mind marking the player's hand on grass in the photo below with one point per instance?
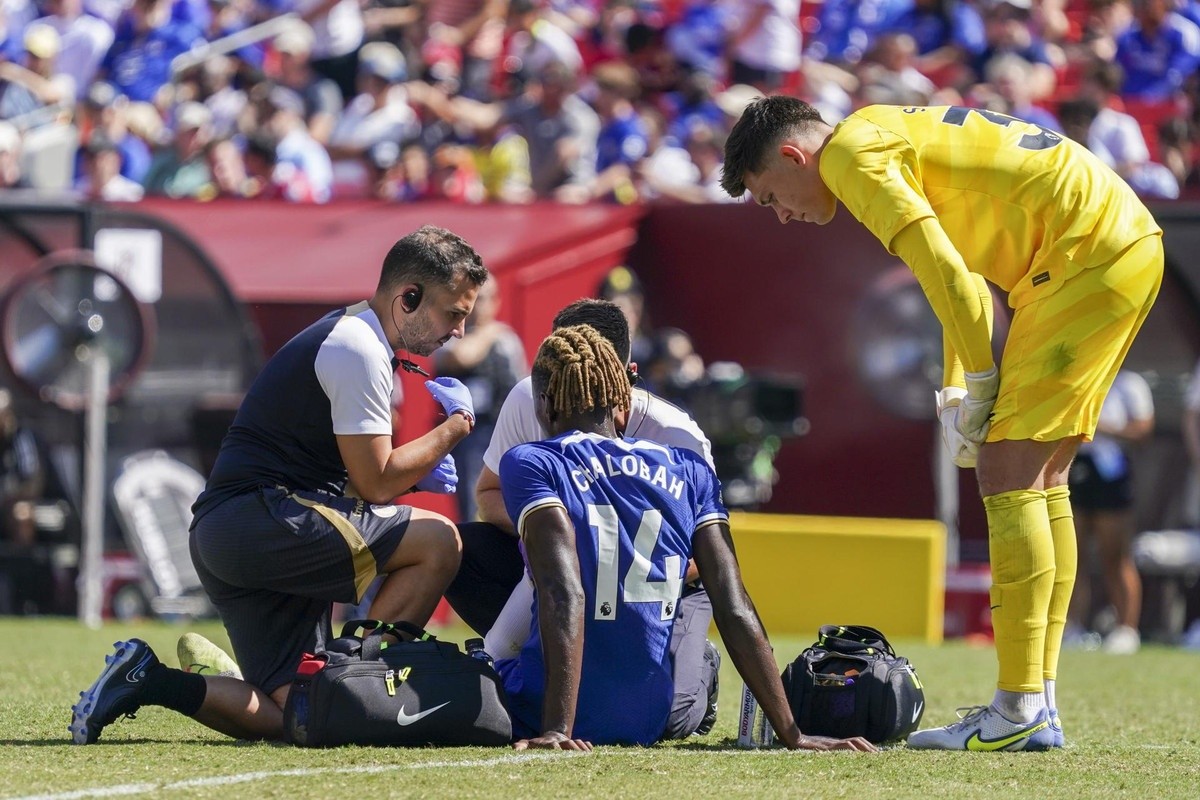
(976, 413)
(823, 743)
(963, 451)
(553, 741)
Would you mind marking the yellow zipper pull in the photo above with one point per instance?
(390, 679)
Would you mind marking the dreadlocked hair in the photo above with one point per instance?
(580, 371)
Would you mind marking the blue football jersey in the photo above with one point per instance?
(634, 505)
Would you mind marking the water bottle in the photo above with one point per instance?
(754, 729)
(475, 650)
(298, 698)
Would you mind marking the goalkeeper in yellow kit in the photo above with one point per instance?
(965, 196)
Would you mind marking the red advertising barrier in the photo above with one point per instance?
(786, 300)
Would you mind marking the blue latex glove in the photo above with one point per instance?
(442, 480)
(453, 395)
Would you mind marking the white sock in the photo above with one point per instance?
(511, 629)
(1051, 703)
(1019, 706)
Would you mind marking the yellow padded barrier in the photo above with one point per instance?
(803, 572)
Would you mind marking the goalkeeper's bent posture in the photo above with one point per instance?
(965, 196)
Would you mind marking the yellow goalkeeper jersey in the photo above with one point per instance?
(1025, 207)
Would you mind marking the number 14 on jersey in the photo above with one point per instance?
(636, 586)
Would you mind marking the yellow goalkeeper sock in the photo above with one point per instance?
(1022, 554)
(1066, 564)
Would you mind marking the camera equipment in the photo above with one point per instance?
(746, 417)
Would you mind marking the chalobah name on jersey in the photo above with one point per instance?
(630, 465)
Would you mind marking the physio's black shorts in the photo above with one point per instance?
(1090, 491)
(273, 562)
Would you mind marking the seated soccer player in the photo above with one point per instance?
(608, 525)
(492, 593)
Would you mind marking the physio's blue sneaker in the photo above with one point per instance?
(1056, 729)
(115, 693)
(983, 728)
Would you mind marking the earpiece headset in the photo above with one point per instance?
(411, 299)
(408, 304)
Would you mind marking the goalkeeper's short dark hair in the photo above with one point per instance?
(605, 316)
(763, 124)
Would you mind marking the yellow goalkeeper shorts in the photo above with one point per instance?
(1064, 350)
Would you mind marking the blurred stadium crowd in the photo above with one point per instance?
(573, 100)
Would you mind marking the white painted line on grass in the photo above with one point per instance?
(126, 789)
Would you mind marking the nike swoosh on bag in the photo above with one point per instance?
(409, 719)
(917, 710)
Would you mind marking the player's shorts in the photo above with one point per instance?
(693, 674)
(1093, 491)
(1064, 350)
(273, 562)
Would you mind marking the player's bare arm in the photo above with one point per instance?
(744, 637)
(380, 472)
(489, 501)
(550, 548)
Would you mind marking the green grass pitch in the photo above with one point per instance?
(1132, 725)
